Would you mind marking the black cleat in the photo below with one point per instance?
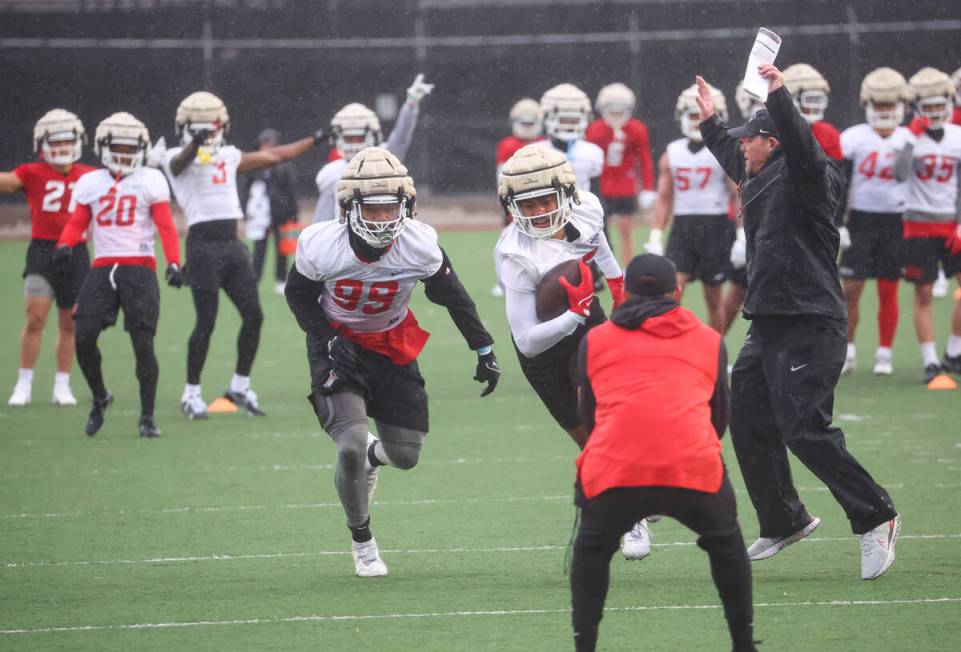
(951, 364)
(931, 371)
(95, 420)
(246, 399)
(148, 428)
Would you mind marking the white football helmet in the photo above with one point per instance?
(567, 112)
(376, 196)
(203, 111)
(688, 114)
(934, 95)
(809, 89)
(536, 171)
(59, 137)
(126, 131)
(746, 104)
(615, 103)
(527, 119)
(354, 128)
(888, 88)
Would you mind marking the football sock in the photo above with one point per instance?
(929, 353)
(883, 353)
(372, 455)
(852, 351)
(191, 390)
(239, 383)
(887, 311)
(954, 346)
(25, 376)
(61, 379)
(361, 534)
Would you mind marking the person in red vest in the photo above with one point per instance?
(653, 393)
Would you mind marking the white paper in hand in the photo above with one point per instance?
(765, 49)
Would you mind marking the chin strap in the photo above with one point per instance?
(365, 251)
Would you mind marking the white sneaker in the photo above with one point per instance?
(637, 542)
(764, 547)
(279, 287)
(22, 393)
(882, 365)
(367, 561)
(850, 365)
(63, 396)
(877, 548)
(940, 288)
(193, 406)
(370, 469)
(496, 291)
(247, 399)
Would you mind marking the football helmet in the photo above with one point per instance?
(934, 95)
(687, 112)
(376, 195)
(886, 87)
(59, 126)
(536, 171)
(354, 128)
(956, 78)
(809, 89)
(615, 103)
(125, 130)
(567, 112)
(746, 104)
(203, 111)
(527, 120)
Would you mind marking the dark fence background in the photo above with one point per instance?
(291, 64)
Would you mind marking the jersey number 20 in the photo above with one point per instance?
(126, 207)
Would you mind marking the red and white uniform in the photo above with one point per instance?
(932, 194)
(50, 195)
(123, 215)
(207, 191)
(586, 158)
(956, 116)
(874, 188)
(626, 152)
(828, 137)
(508, 146)
(700, 185)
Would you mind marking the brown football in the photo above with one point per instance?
(549, 297)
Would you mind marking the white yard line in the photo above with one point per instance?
(462, 614)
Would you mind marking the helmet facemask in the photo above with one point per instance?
(378, 219)
(691, 124)
(616, 115)
(566, 125)
(351, 140)
(526, 127)
(63, 148)
(936, 108)
(889, 117)
(542, 225)
(215, 134)
(812, 105)
(122, 163)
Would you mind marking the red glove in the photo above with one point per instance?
(919, 125)
(617, 289)
(953, 243)
(579, 296)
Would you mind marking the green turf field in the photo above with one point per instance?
(227, 534)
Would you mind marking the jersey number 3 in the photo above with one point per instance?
(126, 207)
(348, 293)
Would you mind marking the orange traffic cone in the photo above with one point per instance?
(942, 381)
(223, 406)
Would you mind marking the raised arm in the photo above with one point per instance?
(10, 182)
(804, 156)
(277, 155)
(402, 135)
(186, 155)
(726, 149)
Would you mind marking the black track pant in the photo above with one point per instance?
(605, 518)
(260, 255)
(782, 397)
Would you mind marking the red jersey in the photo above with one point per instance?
(509, 145)
(956, 116)
(623, 157)
(50, 196)
(829, 138)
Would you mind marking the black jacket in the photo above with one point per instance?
(281, 181)
(789, 212)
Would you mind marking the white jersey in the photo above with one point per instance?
(367, 297)
(207, 191)
(874, 187)
(700, 185)
(586, 158)
(934, 179)
(121, 224)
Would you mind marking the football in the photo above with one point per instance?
(549, 297)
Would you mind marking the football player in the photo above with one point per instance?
(871, 239)
(692, 186)
(746, 104)
(123, 204)
(48, 183)
(553, 222)
(567, 113)
(203, 175)
(527, 125)
(929, 162)
(810, 91)
(356, 127)
(349, 290)
(627, 179)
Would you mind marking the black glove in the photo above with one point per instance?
(174, 275)
(60, 261)
(200, 137)
(488, 371)
(321, 136)
(346, 365)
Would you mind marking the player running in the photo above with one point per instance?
(693, 187)
(203, 175)
(349, 290)
(553, 222)
(810, 91)
(871, 241)
(48, 183)
(123, 206)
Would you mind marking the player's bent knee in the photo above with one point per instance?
(404, 455)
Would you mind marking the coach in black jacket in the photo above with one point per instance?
(784, 378)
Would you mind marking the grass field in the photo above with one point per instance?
(227, 534)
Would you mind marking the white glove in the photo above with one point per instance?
(653, 244)
(646, 199)
(419, 89)
(156, 154)
(845, 238)
(739, 250)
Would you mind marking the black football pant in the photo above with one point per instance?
(260, 255)
(782, 397)
(605, 518)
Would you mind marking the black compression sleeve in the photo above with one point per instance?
(445, 289)
(303, 300)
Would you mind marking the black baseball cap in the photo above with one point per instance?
(650, 275)
(759, 124)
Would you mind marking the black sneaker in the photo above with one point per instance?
(148, 428)
(246, 399)
(951, 364)
(95, 420)
(931, 371)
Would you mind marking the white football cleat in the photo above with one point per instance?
(63, 396)
(877, 548)
(193, 406)
(850, 366)
(367, 561)
(940, 288)
(22, 393)
(279, 288)
(637, 542)
(765, 547)
(370, 469)
(882, 364)
(496, 291)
